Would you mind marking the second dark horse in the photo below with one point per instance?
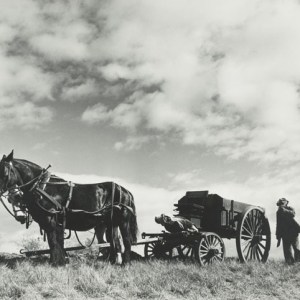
(56, 205)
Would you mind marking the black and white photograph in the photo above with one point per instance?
(149, 149)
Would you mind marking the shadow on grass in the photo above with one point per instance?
(12, 259)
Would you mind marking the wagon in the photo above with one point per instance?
(216, 218)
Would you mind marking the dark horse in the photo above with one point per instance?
(56, 205)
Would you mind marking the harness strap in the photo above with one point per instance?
(50, 198)
(128, 207)
(120, 194)
(45, 181)
(59, 183)
(71, 185)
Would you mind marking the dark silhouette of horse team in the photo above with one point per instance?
(56, 204)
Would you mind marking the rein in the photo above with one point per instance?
(14, 190)
(6, 207)
(27, 217)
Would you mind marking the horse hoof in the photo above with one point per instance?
(119, 259)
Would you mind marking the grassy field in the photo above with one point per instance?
(86, 278)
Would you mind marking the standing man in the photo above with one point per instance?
(287, 230)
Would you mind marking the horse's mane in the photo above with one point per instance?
(25, 162)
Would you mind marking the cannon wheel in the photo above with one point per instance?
(186, 251)
(210, 249)
(253, 239)
(157, 250)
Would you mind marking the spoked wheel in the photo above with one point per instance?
(253, 239)
(186, 251)
(157, 250)
(211, 249)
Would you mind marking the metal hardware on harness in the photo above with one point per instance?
(38, 179)
(71, 185)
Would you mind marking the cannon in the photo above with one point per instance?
(216, 218)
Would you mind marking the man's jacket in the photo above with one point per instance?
(287, 227)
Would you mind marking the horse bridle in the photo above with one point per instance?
(8, 169)
(16, 189)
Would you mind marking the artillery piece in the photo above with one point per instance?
(216, 218)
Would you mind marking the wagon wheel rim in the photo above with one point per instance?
(211, 249)
(156, 250)
(186, 251)
(254, 237)
(149, 252)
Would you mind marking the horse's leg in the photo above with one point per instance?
(125, 232)
(100, 231)
(61, 241)
(117, 243)
(113, 237)
(55, 237)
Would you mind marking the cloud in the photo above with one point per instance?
(190, 179)
(220, 75)
(35, 37)
(81, 91)
(132, 143)
(26, 115)
(226, 78)
(95, 114)
(59, 47)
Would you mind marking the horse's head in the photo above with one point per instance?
(8, 175)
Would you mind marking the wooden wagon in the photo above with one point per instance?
(216, 218)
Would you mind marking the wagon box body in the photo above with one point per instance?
(229, 219)
(211, 212)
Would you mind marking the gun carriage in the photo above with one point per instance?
(216, 218)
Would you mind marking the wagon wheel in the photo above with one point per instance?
(210, 249)
(157, 249)
(253, 239)
(186, 251)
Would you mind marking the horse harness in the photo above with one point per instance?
(39, 184)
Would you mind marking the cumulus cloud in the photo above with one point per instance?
(97, 113)
(219, 75)
(80, 91)
(35, 37)
(26, 115)
(132, 143)
(227, 78)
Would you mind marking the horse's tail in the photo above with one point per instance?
(133, 223)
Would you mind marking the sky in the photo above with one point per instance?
(163, 97)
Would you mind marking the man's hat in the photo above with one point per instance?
(282, 201)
